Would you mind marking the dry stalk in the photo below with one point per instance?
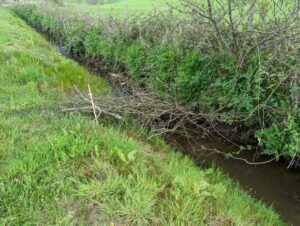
(93, 105)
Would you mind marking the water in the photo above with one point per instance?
(271, 183)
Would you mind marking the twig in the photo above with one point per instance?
(93, 105)
(97, 108)
(245, 160)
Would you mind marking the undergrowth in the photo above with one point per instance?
(59, 169)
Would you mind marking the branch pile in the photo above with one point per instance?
(153, 110)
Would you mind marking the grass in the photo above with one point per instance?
(121, 8)
(58, 169)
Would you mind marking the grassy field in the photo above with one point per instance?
(58, 169)
(121, 8)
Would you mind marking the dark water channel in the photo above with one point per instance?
(272, 183)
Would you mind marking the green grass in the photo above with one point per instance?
(121, 8)
(58, 169)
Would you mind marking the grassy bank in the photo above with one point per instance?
(59, 169)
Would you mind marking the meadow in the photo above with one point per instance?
(63, 169)
(120, 8)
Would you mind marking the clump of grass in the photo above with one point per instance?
(63, 169)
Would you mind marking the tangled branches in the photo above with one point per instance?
(158, 112)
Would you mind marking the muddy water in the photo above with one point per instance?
(271, 183)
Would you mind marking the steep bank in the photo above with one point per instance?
(63, 169)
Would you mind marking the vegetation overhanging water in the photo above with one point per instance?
(228, 78)
(282, 184)
(295, 195)
(61, 168)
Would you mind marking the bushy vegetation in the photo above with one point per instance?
(242, 70)
(59, 169)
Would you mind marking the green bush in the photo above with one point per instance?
(162, 64)
(135, 59)
(279, 139)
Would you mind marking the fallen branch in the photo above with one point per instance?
(157, 112)
(229, 155)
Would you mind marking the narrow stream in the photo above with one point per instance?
(271, 183)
